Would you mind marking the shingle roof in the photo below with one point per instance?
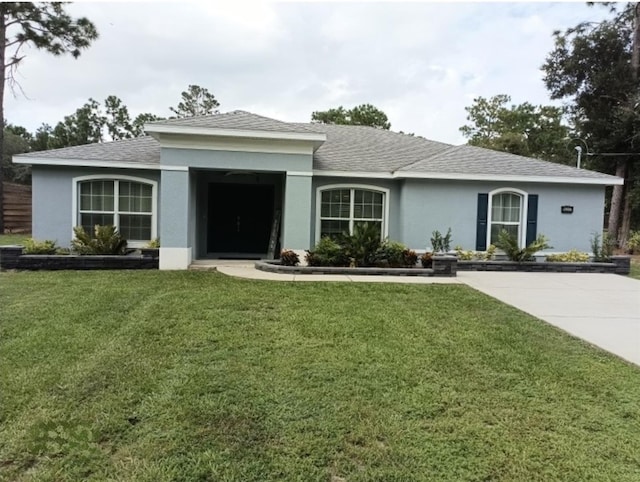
(237, 119)
(143, 150)
(467, 159)
(347, 148)
(361, 148)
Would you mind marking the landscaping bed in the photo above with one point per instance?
(618, 265)
(12, 257)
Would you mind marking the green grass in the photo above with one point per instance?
(6, 239)
(635, 268)
(194, 376)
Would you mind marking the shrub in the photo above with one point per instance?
(31, 246)
(391, 253)
(602, 251)
(573, 256)
(106, 240)
(490, 253)
(327, 252)
(410, 258)
(464, 255)
(289, 258)
(509, 244)
(634, 242)
(426, 260)
(63, 251)
(361, 246)
(439, 243)
(153, 244)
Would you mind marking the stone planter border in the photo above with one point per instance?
(11, 257)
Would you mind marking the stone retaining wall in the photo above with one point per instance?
(11, 257)
(618, 265)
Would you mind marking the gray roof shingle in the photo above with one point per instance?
(467, 159)
(143, 150)
(237, 119)
(347, 148)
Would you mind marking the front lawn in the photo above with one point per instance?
(193, 376)
(8, 239)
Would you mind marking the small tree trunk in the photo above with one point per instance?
(626, 219)
(615, 210)
(3, 37)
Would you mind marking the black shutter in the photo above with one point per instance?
(481, 229)
(532, 218)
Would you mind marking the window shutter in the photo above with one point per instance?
(532, 218)
(481, 230)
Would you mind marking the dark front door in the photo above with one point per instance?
(239, 218)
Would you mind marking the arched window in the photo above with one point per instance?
(127, 203)
(342, 207)
(506, 212)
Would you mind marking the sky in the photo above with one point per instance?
(421, 63)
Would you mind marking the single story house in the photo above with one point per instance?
(242, 185)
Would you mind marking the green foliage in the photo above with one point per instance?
(289, 258)
(391, 253)
(16, 141)
(508, 243)
(439, 243)
(31, 246)
(196, 100)
(327, 252)
(410, 258)
(361, 115)
(426, 260)
(154, 243)
(634, 242)
(602, 246)
(105, 240)
(525, 129)
(361, 246)
(490, 253)
(463, 255)
(573, 256)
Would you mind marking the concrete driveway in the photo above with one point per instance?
(603, 309)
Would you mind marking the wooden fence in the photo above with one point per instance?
(17, 208)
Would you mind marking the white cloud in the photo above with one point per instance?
(420, 63)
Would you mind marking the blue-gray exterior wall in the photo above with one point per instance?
(52, 202)
(427, 205)
(235, 160)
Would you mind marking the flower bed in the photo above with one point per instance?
(11, 257)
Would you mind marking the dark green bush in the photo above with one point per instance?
(106, 240)
(390, 253)
(602, 251)
(361, 246)
(289, 258)
(31, 246)
(410, 258)
(508, 243)
(327, 252)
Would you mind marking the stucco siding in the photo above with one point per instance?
(430, 205)
(52, 198)
(232, 160)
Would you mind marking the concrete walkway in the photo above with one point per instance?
(603, 309)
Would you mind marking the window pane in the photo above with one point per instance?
(333, 228)
(510, 228)
(378, 224)
(135, 227)
(96, 196)
(88, 221)
(506, 208)
(336, 203)
(135, 197)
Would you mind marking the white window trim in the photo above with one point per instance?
(524, 196)
(385, 204)
(75, 212)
